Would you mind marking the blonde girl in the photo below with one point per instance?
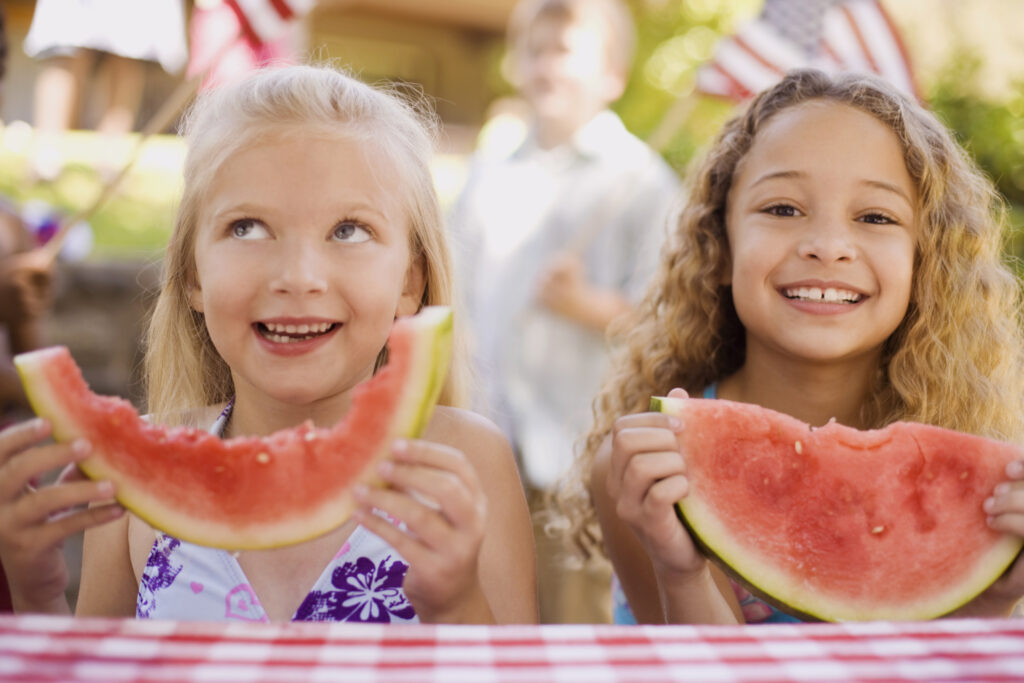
(840, 256)
(308, 224)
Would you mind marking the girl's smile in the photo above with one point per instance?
(295, 336)
(822, 298)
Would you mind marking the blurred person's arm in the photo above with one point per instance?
(564, 289)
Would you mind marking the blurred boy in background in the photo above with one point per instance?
(555, 240)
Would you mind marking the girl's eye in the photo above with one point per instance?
(782, 211)
(248, 229)
(878, 218)
(351, 232)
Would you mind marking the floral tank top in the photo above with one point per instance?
(362, 583)
(755, 610)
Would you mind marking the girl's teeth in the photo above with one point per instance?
(283, 334)
(827, 295)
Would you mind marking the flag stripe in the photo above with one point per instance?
(851, 35)
(886, 45)
(858, 37)
(772, 46)
(283, 9)
(264, 21)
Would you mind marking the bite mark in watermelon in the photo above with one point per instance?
(246, 492)
(839, 524)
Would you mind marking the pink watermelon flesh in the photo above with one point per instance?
(246, 492)
(839, 524)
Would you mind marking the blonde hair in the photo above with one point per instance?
(620, 30)
(183, 369)
(954, 361)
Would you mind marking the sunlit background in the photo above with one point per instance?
(968, 59)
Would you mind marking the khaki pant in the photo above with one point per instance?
(568, 591)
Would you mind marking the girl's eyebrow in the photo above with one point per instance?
(251, 208)
(895, 189)
(880, 184)
(777, 175)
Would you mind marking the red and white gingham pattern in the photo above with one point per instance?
(68, 649)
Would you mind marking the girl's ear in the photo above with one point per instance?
(725, 277)
(195, 298)
(412, 290)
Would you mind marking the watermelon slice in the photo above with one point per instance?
(838, 524)
(246, 492)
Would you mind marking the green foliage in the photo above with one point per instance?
(991, 131)
(674, 37)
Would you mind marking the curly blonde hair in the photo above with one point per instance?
(183, 369)
(954, 361)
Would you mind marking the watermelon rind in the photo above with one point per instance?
(427, 340)
(756, 571)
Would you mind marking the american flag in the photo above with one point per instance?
(833, 35)
(229, 39)
(264, 21)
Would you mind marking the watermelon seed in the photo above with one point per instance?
(799, 447)
(309, 436)
(878, 529)
(263, 458)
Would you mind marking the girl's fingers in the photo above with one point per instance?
(421, 520)
(71, 473)
(29, 465)
(430, 454)
(645, 469)
(651, 434)
(1005, 507)
(1008, 522)
(404, 545)
(1015, 469)
(54, 532)
(666, 493)
(437, 489)
(17, 438)
(47, 502)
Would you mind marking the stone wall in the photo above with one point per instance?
(100, 313)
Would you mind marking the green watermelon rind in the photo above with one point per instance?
(431, 352)
(778, 588)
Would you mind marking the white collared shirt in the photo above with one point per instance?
(604, 195)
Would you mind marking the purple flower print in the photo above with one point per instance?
(159, 574)
(364, 592)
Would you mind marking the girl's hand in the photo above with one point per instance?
(646, 477)
(436, 493)
(35, 521)
(1006, 513)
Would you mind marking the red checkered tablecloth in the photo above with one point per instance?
(67, 649)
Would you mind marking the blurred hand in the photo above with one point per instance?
(563, 287)
(26, 280)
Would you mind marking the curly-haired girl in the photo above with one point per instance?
(839, 257)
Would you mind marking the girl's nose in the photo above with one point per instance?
(828, 241)
(302, 269)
